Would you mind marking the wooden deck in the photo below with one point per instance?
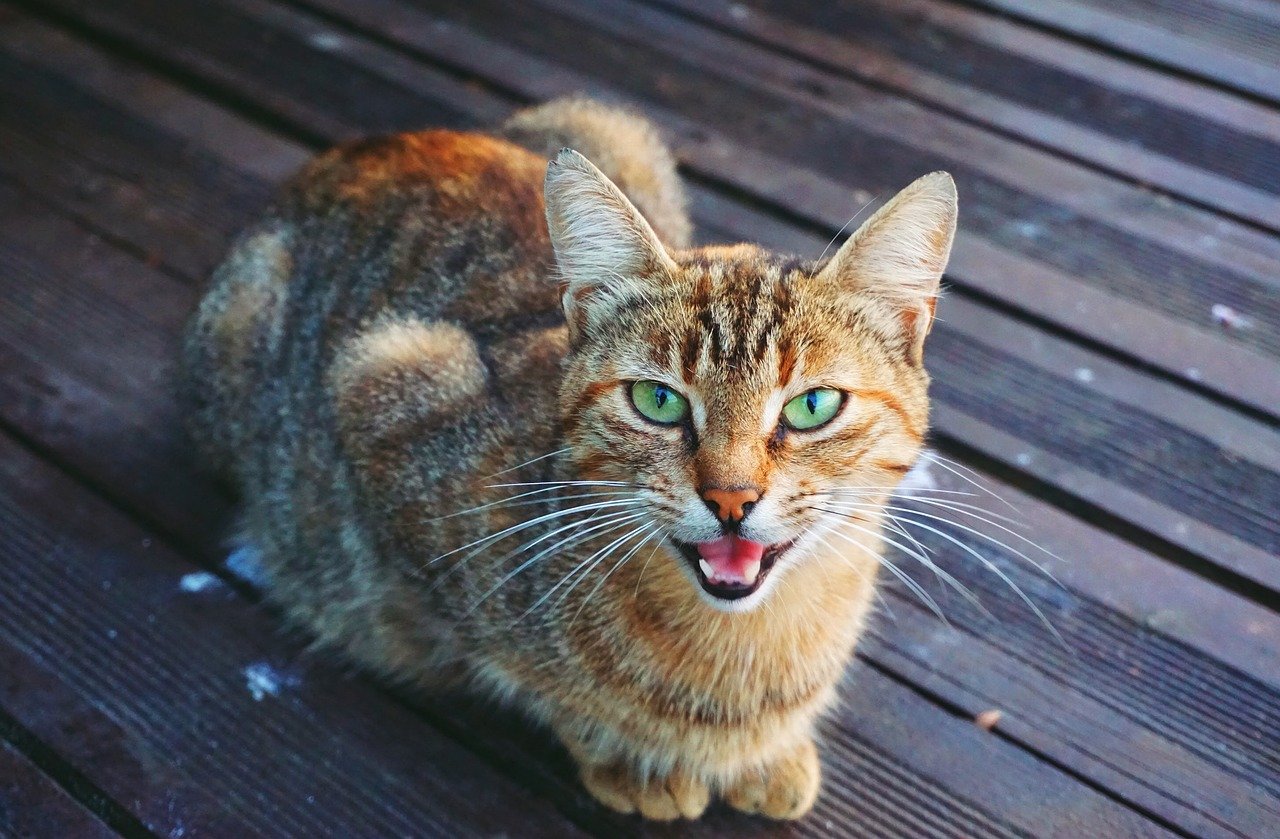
(1108, 359)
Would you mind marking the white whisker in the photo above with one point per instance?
(954, 468)
(572, 573)
(995, 569)
(616, 566)
(508, 502)
(528, 462)
(563, 484)
(576, 536)
(938, 571)
(515, 528)
(895, 570)
(967, 529)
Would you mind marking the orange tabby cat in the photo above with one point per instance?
(496, 422)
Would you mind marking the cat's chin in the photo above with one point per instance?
(733, 597)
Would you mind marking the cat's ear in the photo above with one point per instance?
(604, 248)
(897, 257)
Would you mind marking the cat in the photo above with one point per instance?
(497, 425)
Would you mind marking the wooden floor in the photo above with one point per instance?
(1108, 360)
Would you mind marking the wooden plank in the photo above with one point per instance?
(1168, 522)
(1034, 223)
(155, 459)
(32, 804)
(1033, 639)
(1129, 120)
(896, 799)
(1232, 47)
(1138, 392)
(190, 710)
(1180, 519)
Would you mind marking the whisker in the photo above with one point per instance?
(647, 560)
(515, 528)
(846, 225)
(507, 502)
(967, 529)
(528, 462)
(861, 489)
(575, 536)
(955, 468)
(896, 571)
(939, 572)
(583, 564)
(995, 569)
(879, 595)
(609, 574)
(560, 484)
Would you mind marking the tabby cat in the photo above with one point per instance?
(496, 424)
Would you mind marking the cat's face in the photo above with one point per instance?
(739, 396)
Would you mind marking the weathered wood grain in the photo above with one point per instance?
(1079, 719)
(1230, 43)
(1176, 135)
(31, 804)
(1184, 522)
(1055, 240)
(191, 710)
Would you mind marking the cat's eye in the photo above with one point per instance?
(812, 409)
(658, 403)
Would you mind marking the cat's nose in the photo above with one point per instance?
(730, 506)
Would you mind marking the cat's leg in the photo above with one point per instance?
(616, 784)
(783, 789)
(400, 376)
(674, 796)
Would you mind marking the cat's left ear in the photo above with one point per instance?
(894, 262)
(604, 248)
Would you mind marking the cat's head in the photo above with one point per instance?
(738, 393)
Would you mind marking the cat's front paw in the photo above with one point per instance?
(785, 789)
(662, 799)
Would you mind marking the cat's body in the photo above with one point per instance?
(388, 344)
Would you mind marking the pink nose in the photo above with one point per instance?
(731, 505)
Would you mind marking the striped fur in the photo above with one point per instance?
(388, 344)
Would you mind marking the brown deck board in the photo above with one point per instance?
(1044, 223)
(1230, 529)
(979, 743)
(1229, 42)
(150, 690)
(1176, 135)
(1034, 637)
(31, 804)
(1165, 705)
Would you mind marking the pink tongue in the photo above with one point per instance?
(730, 557)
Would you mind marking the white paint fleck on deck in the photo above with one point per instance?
(198, 581)
(263, 680)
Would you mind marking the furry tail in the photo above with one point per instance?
(624, 145)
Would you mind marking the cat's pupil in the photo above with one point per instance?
(660, 396)
(811, 401)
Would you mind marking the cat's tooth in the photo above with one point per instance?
(750, 572)
(707, 569)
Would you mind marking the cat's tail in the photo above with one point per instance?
(623, 144)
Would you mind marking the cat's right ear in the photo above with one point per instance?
(604, 248)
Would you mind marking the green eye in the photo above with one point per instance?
(659, 403)
(812, 409)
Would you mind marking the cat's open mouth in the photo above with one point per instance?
(731, 568)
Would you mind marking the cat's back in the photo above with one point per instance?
(435, 225)
(452, 221)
